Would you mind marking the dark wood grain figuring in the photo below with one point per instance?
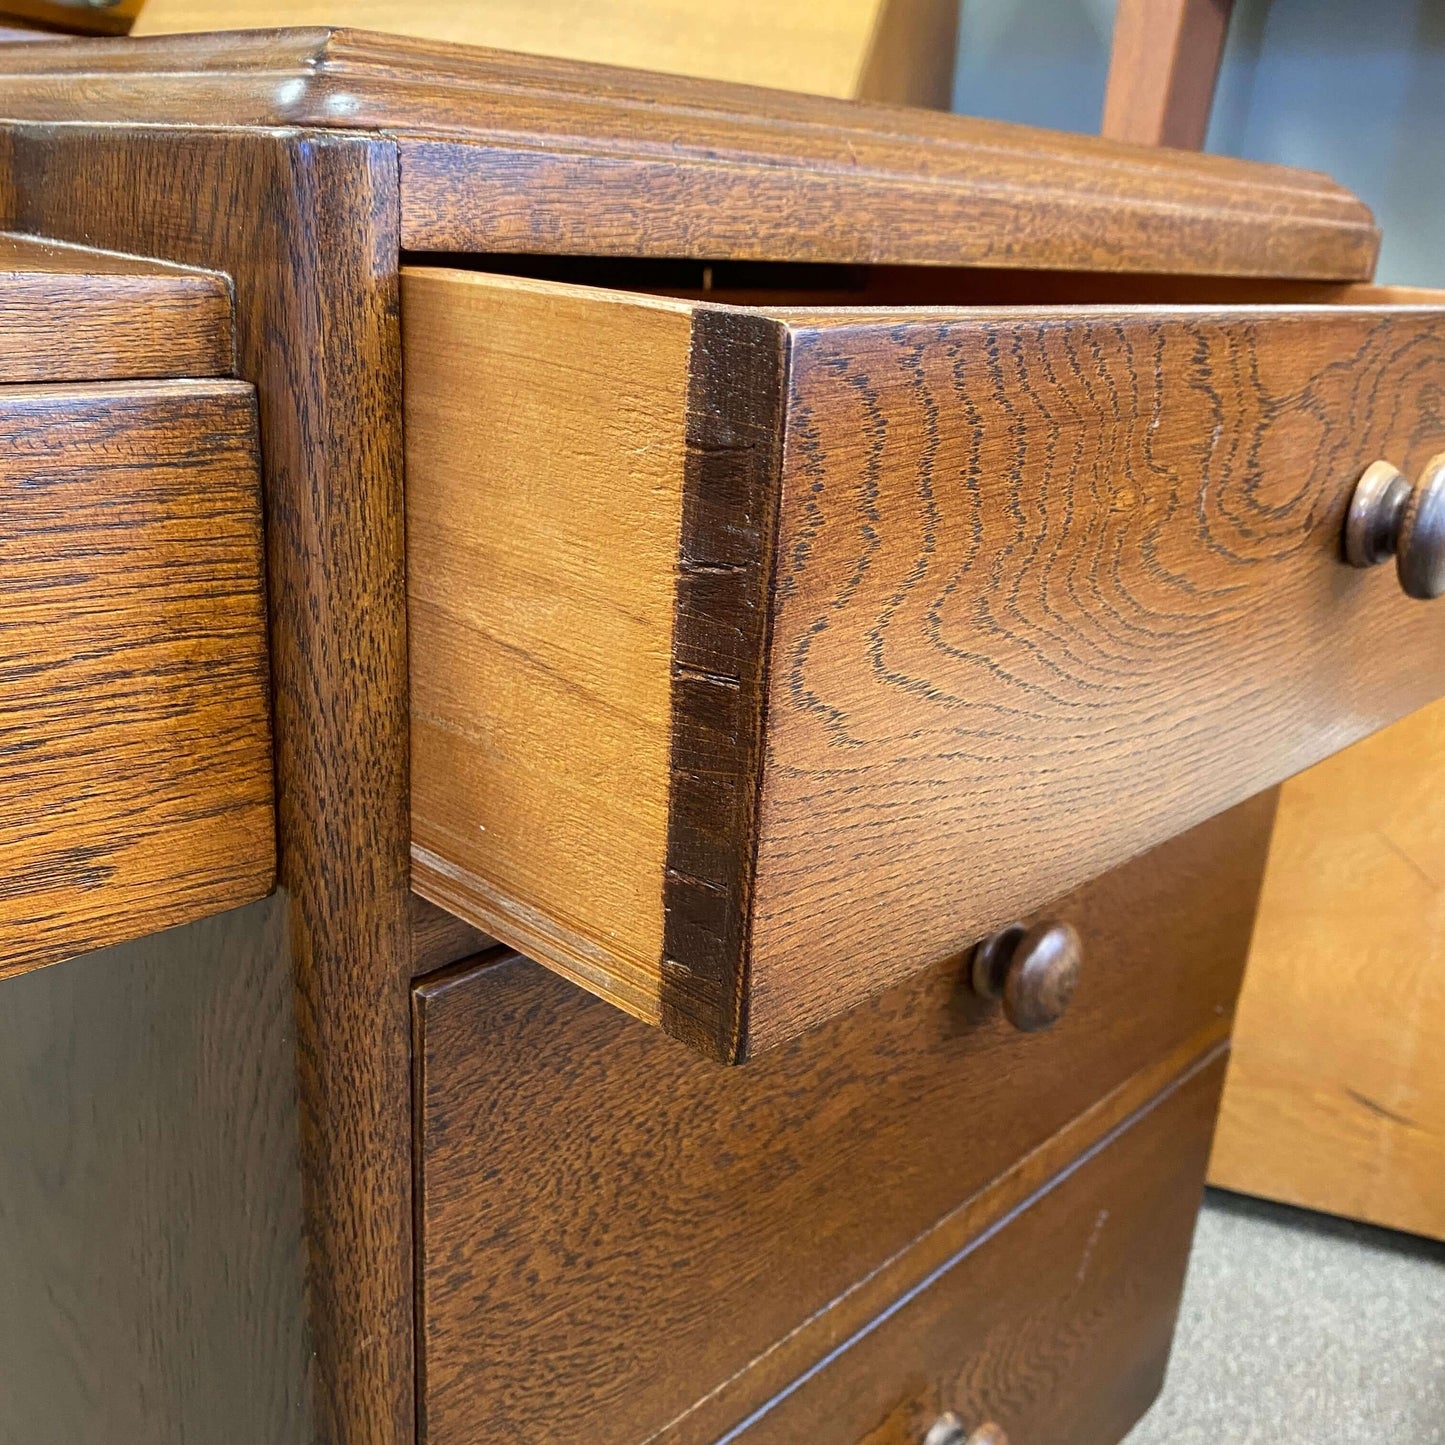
(71, 314)
(136, 786)
(1051, 588)
(732, 432)
(151, 1260)
(504, 152)
(610, 1227)
(1055, 1324)
(307, 226)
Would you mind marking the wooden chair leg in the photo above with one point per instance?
(1162, 70)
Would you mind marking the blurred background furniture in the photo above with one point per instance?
(887, 50)
(1335, 1097)
(1163, 64)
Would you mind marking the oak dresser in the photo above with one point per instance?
(640, 730)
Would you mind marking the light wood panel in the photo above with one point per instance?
(136, 786)
(1336, 1091)
(986, 603)
(895, 50)
(546, 451)
(72, 314)
(503, 152)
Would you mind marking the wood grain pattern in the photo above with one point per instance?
(1048, 586)
(792, 1358)
(71, 314)
(611, 1226)
(540, 704)
(888, 50)
(502, 152)
(314, 269)
(137, 785)
(1163, 65)
(151, 1258)
(1052, 588)
(1055, 1325)
(1336, 1098)
(718, 681)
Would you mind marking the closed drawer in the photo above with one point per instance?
(760, 658)
(1055, 1328)
(135, 720)
(612, 1230)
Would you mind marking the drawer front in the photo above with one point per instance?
(611, 1226)
(135, 751)
(745, 644)
(1054, 1328)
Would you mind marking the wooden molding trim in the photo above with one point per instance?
(503, 152)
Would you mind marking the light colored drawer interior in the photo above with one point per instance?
(762, 655)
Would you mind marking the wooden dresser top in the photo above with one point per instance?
(503, 152)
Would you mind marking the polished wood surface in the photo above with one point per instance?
(890, 50)
(725, 1208)
(70, 314)
(1056, 1326)
(1129, 611)
(502, 152)
(1034, 971)
(1390, 518)
(151, 1260)
(1333, 1101)
(135, 791)
(314, 270)
(1163, 65)
(1135, 477)
(299, 167)
(1336, 1094)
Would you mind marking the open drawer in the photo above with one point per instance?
(760, 656)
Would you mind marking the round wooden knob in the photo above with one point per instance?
(948, 1430)
(1388, 517)
(1034, 970)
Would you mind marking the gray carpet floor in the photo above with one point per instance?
(1299, 1329)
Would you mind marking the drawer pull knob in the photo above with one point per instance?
(1388, 517)
(948, 1430)
(1034, 970)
